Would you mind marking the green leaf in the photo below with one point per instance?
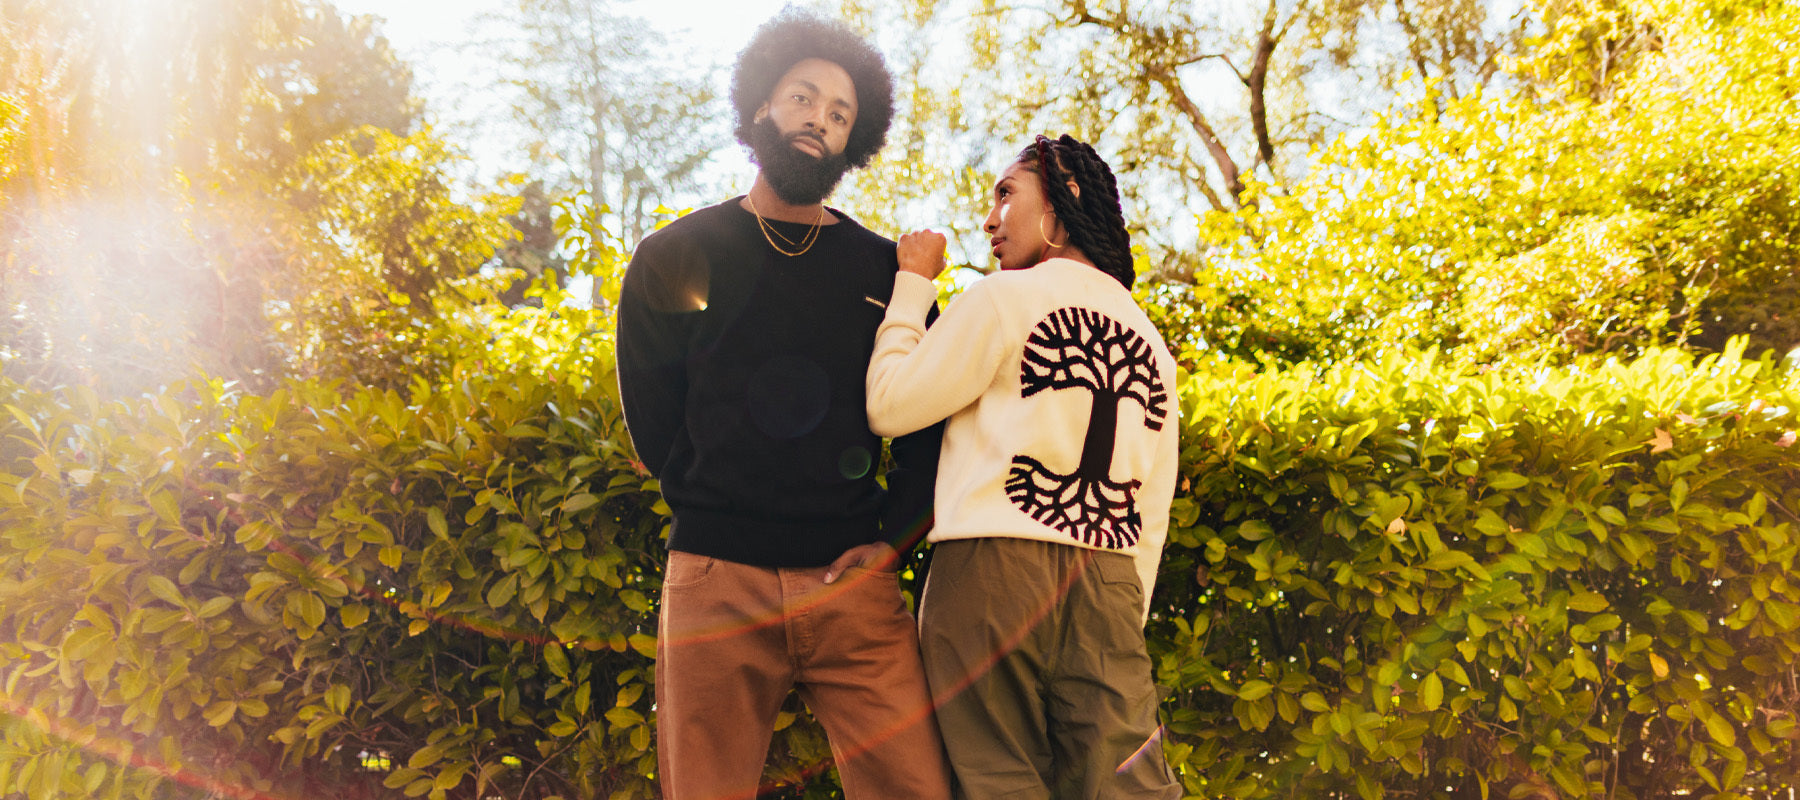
(1454, 671)
(96, 775)
(425, 756)
(1782, 727)
(1254, 530)
(1255, 690)
(630, 694)
(1505, 481)
(502, 591)
(635, 600)
(1720, 729)
(451, 777)
(353, 615)
(337, 698)
(164, 590)
(255, 535)
(401, 777)
(168, 509)
(578, 502)
(620, 717)
(312, 609)
(1388, 673)
(556, 660)
(1586, 601)
(1314, 702)
(1431, 692)
(220, 713)
(24, 419)
(644, 644)
(215, 607)
(1446, 560)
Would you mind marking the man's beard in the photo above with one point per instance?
(797, 178)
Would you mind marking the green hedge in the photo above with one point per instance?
(1392, 579)
(1385, 576)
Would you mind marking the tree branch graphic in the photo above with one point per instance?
(1076, 348)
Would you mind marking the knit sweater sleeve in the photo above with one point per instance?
(652, 327)
(1153, 503)
(917, 378)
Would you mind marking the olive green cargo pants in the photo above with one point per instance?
(1035, 654)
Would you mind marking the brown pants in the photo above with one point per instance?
(1035, 653)
(734, 639)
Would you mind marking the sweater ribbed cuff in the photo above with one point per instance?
(913, 295)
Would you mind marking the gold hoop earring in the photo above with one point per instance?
(1046, 235)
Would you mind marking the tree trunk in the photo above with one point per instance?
(1103, 428)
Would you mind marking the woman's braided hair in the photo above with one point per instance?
(1094, 221)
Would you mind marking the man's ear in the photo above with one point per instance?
(1074, 189)
(761, 113)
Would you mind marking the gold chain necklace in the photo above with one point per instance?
(806, 242)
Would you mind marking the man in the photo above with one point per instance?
(744, 333)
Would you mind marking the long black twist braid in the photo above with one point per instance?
(1094, 221)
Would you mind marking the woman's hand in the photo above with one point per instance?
(922, 253)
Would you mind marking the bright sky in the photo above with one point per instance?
(415, 26)
(424, 31)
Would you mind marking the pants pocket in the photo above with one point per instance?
(685, 570)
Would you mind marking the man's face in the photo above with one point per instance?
(800, 134)
(817, 98)
(1016, 225)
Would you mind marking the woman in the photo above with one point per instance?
(1053, 489)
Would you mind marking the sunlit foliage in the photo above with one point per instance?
(1395, 576)
(1545, 221)
(395, 250)
(178, 181)
(1189, 102)
(1401, 578)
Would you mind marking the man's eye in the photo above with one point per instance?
(837, 118)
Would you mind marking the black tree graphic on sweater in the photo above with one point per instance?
(1075, 348)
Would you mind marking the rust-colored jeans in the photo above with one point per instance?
(734, 639)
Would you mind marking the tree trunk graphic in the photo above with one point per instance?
(1078, 348)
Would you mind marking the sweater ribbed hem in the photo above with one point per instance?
(769, 543)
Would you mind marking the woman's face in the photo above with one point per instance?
(1017, 225)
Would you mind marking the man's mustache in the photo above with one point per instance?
(817, 139)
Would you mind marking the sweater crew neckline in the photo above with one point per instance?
(737, 204)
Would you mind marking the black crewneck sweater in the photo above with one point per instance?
(742, 373)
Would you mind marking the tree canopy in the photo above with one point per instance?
(214, 188)
(1319, 180)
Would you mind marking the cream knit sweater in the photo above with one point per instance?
(1061, 400)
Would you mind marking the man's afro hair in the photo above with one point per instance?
(793, 36)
